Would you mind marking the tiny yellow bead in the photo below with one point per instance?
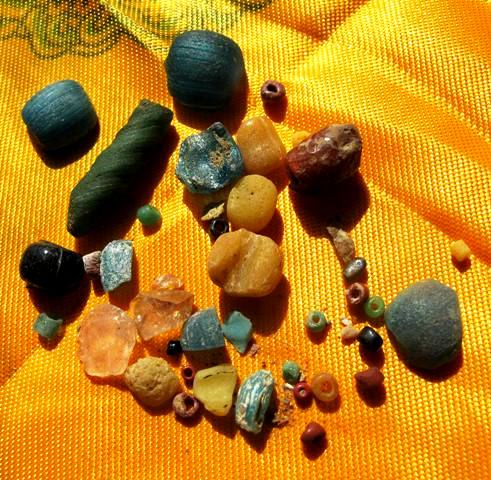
(298, 137)
(460, 250)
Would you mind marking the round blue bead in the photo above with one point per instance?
(59, 115)
(204, 69)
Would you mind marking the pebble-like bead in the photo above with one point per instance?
(253, 401)
(325, 158)
(370, 378)
(174, 348)
(116, 264)
(252, 202)
(185, 405)
(302, 392)
(245, 264)
(460, 250)
(260, 145)
(354, 268)
(48, 266)
(357, 294)
(188, 373)
(291, 372)
(316, 321)
(59, 115)
(313, 435)
(218, 226)
(374, 307)
(370, 339)
(46, 326)
(204, 69)
(209, 160)
(148, 216)
(272, 91)
(325, 387)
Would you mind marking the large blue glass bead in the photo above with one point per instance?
(59, 115)
(204, 69)
(202, 331)
(48, 266)
(209, 160)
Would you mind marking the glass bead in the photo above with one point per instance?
(291, 372)
(303, 392)
(374, 307)
(148, 216)
(316, 321)
(370, 339)
(325, 387)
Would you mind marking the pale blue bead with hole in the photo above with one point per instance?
(60, 115)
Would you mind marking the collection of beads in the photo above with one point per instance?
(204, 71)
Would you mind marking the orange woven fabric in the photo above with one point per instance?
(414, 76)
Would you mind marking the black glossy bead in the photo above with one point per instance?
(354, 268)
(370, 339)
(48, 266)
(174, 348)
(218, 227)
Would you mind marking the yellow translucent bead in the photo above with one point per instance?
(252, 203)
(260, 145)
(460, 250)
(214, 388)
(298, 137)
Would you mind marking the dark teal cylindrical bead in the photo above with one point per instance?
(204, 69)
(59, 115)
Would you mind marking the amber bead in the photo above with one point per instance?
(357, 294)
(261, 147)
(325, 387)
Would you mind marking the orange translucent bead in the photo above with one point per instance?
(325, 387)
(260, 145)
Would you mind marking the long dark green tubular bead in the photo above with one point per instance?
(111, 179)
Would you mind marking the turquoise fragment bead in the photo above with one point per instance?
(116, 264)
(209, 161)
(148, 216)
(46, 326)
(237, 329)
(291, 372)
(316, 321)
(374, 307)
(59, 115)
(202, 331)
(253, 401)
(204, 69)
(425, 322)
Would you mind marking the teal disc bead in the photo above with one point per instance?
(316, 321)
(60, 115)
(374, 307)
(148, 216)
(46, 326)
(204, 69)
(291, 372)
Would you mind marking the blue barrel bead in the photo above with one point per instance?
(204, 69)
(50, 267)
(253, 401)
(59, 115)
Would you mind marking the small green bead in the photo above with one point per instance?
(316, 321)
(291, 372)
(148, 216)
(47, 327)
(374, 307)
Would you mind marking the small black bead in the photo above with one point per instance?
(370, 339)
(48, 266)
(174, 348)
(218, 226)
(354, 268)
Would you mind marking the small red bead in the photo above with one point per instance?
(272, 91)
(357, 294)
(302, 392)
(188, 373)
(313, 435)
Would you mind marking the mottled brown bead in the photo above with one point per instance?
(371, 378)
(185, 405)
(272, 91)
(325, 158)
(357, 294)
(313, 435)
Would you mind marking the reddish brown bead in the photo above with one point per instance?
(188, 373)
(325, 158)
(371, 378)
(302, 392)
(272, 91)
(313, 435)
(357, 294)
(185, 405)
